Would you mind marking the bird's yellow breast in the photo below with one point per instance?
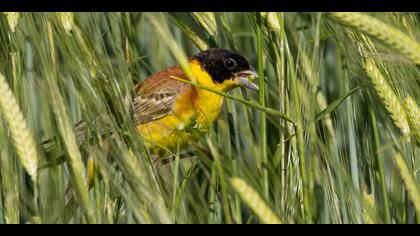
(194, 112)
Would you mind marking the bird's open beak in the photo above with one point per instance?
(242, 78)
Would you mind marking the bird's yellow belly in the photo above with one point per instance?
(188, 122)
(167, 133)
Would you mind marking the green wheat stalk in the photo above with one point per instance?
(387, 34)
(22, 137)
(10, 188)
(163, 30)
(66, 128)
(261, 96)
(410, 183)
(208, 21)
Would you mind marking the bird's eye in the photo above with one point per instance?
(230, 64)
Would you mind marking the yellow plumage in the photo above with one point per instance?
(194, 111)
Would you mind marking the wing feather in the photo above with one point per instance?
(156, 96)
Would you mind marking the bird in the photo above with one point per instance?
(171, 113)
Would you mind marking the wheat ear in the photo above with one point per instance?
(254, 201)
(413, 115)
(387, 34)
(22, 137)
(389, 98)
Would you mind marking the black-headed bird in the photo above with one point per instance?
(170, 112)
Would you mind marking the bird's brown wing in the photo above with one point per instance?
(153, 99)
(156, 96)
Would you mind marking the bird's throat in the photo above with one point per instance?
(208, 104)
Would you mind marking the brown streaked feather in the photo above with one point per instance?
(156, 95)
(154, 99)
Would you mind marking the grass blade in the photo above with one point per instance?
(332, 106)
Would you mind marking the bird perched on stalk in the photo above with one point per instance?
(169, 111)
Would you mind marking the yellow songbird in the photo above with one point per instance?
(170, 112)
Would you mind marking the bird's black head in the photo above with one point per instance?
(222, 64)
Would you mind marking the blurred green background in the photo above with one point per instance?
(348, 81)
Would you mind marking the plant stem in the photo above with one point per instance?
(379, 162)
(299, 136)
(263, 121)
